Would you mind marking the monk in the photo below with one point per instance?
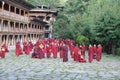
(41, 51)
(18, 50)
(61, 51)
(3, 51)
(31, 45)
(75, 53)
(54, 50)
(27, 48)
(99, 52)
(71, 48)
(65, 52)
(90, 53)
(83, 49)
(48, 50)
(94, 51)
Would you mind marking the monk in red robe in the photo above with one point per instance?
(54, 50)
(27, 48)
(94, 51)
(61, 51)
(75, 53)
(99, 52)
(71, 48)
(41, 51)
(90, 53)
(35, 53)
(18, 50)
(31, 45)
(48, 50)
(3, 51)
(83, 49)
(65, 53)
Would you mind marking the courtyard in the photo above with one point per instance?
(26, 68)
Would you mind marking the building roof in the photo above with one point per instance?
(23, 3)
(43, 11)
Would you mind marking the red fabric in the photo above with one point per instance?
(99, 53)
(27, 48)
(65, 53)
(83, 48)
(3, 51)
(54, 50)
(94, 52)
(71, 48)
(90, 53)
(81, 60)
(18, 50)
(75, 52)
(48, 51)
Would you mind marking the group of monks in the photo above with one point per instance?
(56, 47)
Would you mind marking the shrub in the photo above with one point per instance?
(118, 51)
(82, 39)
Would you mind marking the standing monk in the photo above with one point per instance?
(71, 47)
(65, 52)
(90, 53)
(99, 52)
(94, 51)
(27, 48)
(75, 53)
(4, 49)
(18, 50)
(54, 50)
(83, 48)
(48, 50)
(61, 51)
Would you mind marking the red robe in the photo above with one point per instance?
(54, 50)
(75, 53)
(35, 54)
(71, 48)
(83, 48)
(81, 58)
(94, 52)
(90, 53)
(27, 48)
(48, 51)
(4, 49)
(31, 45)
(65, 53)
(61, 51)
(99, 53)
(18, 50)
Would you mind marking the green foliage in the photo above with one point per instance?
(61, 27)
(98, 20)
(118, 51)
(82, 39)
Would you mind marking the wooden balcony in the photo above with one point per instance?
(13, 16)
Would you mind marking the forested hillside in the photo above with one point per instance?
(96, 20)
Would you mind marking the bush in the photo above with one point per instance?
(82, 39)
(118, 51)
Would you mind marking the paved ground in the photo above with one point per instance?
(25, 68)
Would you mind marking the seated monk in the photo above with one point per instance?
(81, 59)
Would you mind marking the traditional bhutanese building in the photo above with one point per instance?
(20, 21)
